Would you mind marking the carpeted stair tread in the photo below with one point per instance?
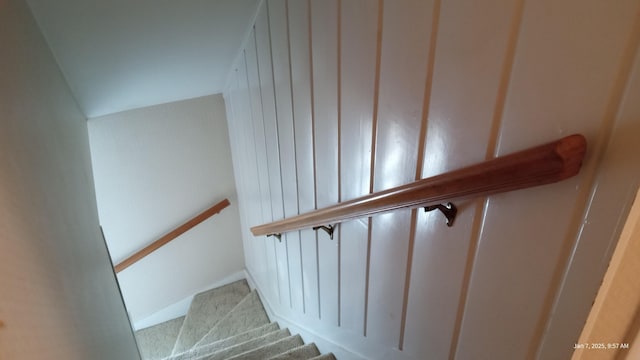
(249, 345)
(271, 350)
(206, 310)
(225, 343)
(328, 356)
(156, 342)
(247, 315)
(303, 352)
(231, 324)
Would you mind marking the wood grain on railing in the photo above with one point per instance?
(172, 235)
(540, 165)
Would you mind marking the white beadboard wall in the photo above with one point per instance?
(332, 99)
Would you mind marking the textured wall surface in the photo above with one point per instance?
(58, 294)
(154, 169)
(333, 99)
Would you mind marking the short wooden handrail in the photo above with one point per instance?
(172, 235)
(540, 165)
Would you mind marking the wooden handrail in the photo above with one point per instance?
(540, 165)
(172, 235)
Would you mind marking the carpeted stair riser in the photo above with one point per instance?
(271, 350)
(304, 352)
(247, 315)
(156, 342)
(207, 349)
(206, 310)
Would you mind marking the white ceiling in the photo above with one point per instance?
(122, 54)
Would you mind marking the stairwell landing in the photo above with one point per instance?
(228, 322)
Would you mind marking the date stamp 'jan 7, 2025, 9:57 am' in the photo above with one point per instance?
(601, 346)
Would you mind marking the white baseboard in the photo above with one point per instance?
(181, 307)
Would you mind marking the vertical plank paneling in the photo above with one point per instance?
(460, 115)
(359, 25)
(303, 125)
(282, 80)
(265, 73)
(254, 213)
(563, 73)
(611, 195)
(403, 75)
(268, 105)
(324, 35)
(330, 99)
(263, 163)
(255, 101)
(238, 157)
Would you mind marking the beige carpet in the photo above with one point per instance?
(228, 322)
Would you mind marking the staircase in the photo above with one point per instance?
(228, 322)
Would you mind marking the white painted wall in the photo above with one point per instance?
(120, 55)
(378, 94)
(58, 294)
(155, 168)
